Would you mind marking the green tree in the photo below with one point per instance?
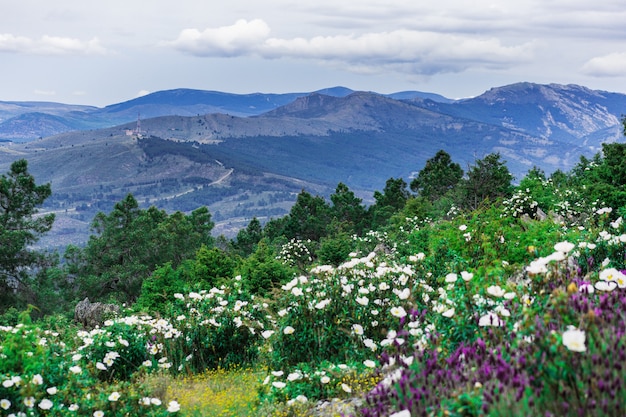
(390, 201)
(129, 243)
(247, 239)
(438, 176)
(308, 218)
(347, 211)
(489, 178)
(20, 228)
(261, 271)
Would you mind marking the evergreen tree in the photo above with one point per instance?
(308, 218)
(20, 228)
(130, 243)
(390, 201)
(348, 213)
(247, 238)
(438, 176)
(489, 178)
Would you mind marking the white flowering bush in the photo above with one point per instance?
(41, 374)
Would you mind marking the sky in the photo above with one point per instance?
(105, 52)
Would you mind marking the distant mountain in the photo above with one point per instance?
(255, 165)
(413, 95)
(177, 102)
(568, 113)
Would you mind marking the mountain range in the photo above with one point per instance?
(249, 155)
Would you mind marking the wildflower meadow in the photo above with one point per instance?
(515, 307)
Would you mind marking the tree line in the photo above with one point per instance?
(144, 256)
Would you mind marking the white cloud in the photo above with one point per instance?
(49, 45)
(241, 38)
(611, 65)
(411, 51)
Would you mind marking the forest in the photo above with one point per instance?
(459, 293)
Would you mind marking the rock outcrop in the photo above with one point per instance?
(93, 314)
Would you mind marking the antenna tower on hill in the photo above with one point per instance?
(138, 128)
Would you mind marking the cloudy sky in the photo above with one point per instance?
(104, 52)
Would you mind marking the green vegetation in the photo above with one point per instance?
(472, 297)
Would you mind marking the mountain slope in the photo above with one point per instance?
(254, 166)
(568, 113)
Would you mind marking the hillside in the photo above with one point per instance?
(254, 166)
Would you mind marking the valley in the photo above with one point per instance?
(255, 160)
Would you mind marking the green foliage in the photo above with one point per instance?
(308, 218)
(438, 176)
(159, 288)
(335, 250)
(390, 201)
(247, 238)
(262, 271)
(348, 213)
(20, 228)
(131, 242)
(488, 178)
(42, 374)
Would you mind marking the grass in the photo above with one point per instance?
(234, 393)
(216, 393)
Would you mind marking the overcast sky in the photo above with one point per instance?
(105, 52)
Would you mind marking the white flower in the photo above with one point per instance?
(346, 388)
(607, 286)
(5, 404)
(586, 288)
(101, 366)
(564, 247)
(369, 363)
(398, 312)
(114, 396)
(278, 373)
(173, 406)
(404, 294)
(288, 330)
(98, 413)
(613, 275)
(73, 407)
(279, 384)
(37, 379)
(45, 404)
(467, 276)
(324, 379)
(297, 291)
(362, 300)
(155, 401)
(301, 398)
(537, 267)
(29, 402)
(448, 313)
(490, 319)
(574, 339)
(357, 329)
(495, 291)
(75, 369)
(51, 390)
(462, 228)
(294, 376)
(451, 278)
(322, 304)
(267, 333)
